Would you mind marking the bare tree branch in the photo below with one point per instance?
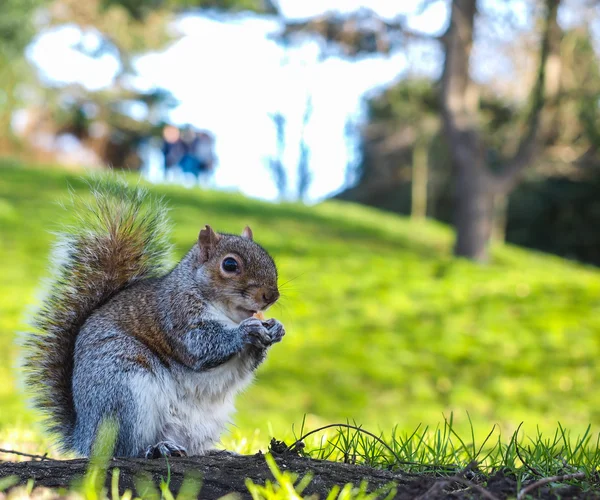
(359, 32)
(554, 479)
(544, 93)
(28, 455)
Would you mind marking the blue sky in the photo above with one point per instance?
(228, 77)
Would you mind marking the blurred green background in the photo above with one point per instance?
(390, 155)
(383, 327)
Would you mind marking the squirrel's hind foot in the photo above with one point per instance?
(165, 449)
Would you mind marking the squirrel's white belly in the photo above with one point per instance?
(189, 408)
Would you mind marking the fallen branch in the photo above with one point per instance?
(21, 454)
(458, 478)
(553, 479)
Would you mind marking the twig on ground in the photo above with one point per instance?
(546, 480)
(458, 478)
(474, 486)
(356, 428)
(21, 454)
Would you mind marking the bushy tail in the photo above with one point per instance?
(120, 236)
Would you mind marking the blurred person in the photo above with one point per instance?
(173, 149)
(190, 164)
(205, 155)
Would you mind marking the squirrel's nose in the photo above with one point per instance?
(270, 296)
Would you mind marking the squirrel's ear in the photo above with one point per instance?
(207, 241)
(247, 233)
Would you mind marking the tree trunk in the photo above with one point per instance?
(476, 187)
(474, 215)
(500, 217)
(419, 181)
(473, 206)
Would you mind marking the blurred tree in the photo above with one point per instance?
(568, 157)
(16, 25)
(478, 181)
(140, 9)
(352, 135)
(102, 120)
(16, 31)
(358, 33)
(557, 208)
(275, 162)
(400, 144)
(419, 181)
(305, 176)
(122, 29)
(110, 29)
(476, 184)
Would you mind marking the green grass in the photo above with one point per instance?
(289, 486)
(436, 460)
(384, 328)
(444, 450)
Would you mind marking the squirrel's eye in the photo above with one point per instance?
(230, 265)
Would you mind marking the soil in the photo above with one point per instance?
(225, 473)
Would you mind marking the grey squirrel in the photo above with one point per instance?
(162, 353)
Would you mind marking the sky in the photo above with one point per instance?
(229, 76)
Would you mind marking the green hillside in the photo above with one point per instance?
(383, 327)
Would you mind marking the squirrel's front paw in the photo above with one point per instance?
(256, 333)
(262, 333)
(276, 330)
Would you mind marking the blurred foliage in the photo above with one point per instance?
(17, 25)
(101, 120)
(382, 326)
(570, 157)
(407, 101)
(128, 27)
(356, 33)
(140, 9)
(120, 34)
(17, 28)
(557, 215)
(55, 110)
(118, 28)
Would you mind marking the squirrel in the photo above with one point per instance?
(161, 353)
